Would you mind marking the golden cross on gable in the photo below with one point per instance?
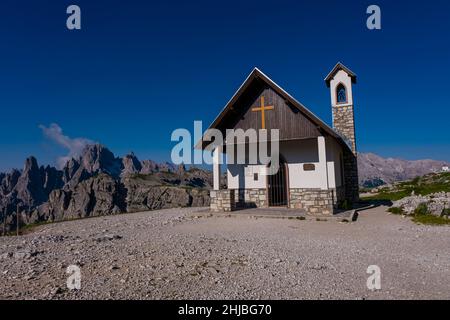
(262, 109)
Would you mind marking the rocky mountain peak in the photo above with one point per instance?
(98, 158)
(375, 170)
(30, 166)
(94, 159)
(149, 166)
(167, 167)
(131, 164)
(8, 181)
(96, 183)
(51, 179)
(70, 169)
(29, 187)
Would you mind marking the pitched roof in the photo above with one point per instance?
(337, 67)
(258, 74)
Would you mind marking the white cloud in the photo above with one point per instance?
(74, 145)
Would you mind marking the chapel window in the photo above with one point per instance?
(341, 94)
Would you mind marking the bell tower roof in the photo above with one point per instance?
(337, 67)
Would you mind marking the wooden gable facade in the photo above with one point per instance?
(293, 120)
(292, 123)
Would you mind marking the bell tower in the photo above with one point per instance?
(340, 81)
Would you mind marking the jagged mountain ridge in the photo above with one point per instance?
(374, 170)
(98, 183)
(97, 159)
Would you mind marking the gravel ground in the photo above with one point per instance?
(174, 254)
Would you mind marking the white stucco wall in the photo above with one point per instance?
(334, 151)
(300, 152)
(341, 77)
(296, 153)
(242, 176)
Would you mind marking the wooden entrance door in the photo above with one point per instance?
(277, 187)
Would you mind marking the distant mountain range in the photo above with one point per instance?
(374, 170)
(98, 183)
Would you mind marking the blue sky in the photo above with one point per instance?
(138, 70)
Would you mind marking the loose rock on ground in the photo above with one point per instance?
(167, 254)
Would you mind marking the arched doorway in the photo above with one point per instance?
(277, 186)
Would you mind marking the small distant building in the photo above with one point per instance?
(445, 169)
